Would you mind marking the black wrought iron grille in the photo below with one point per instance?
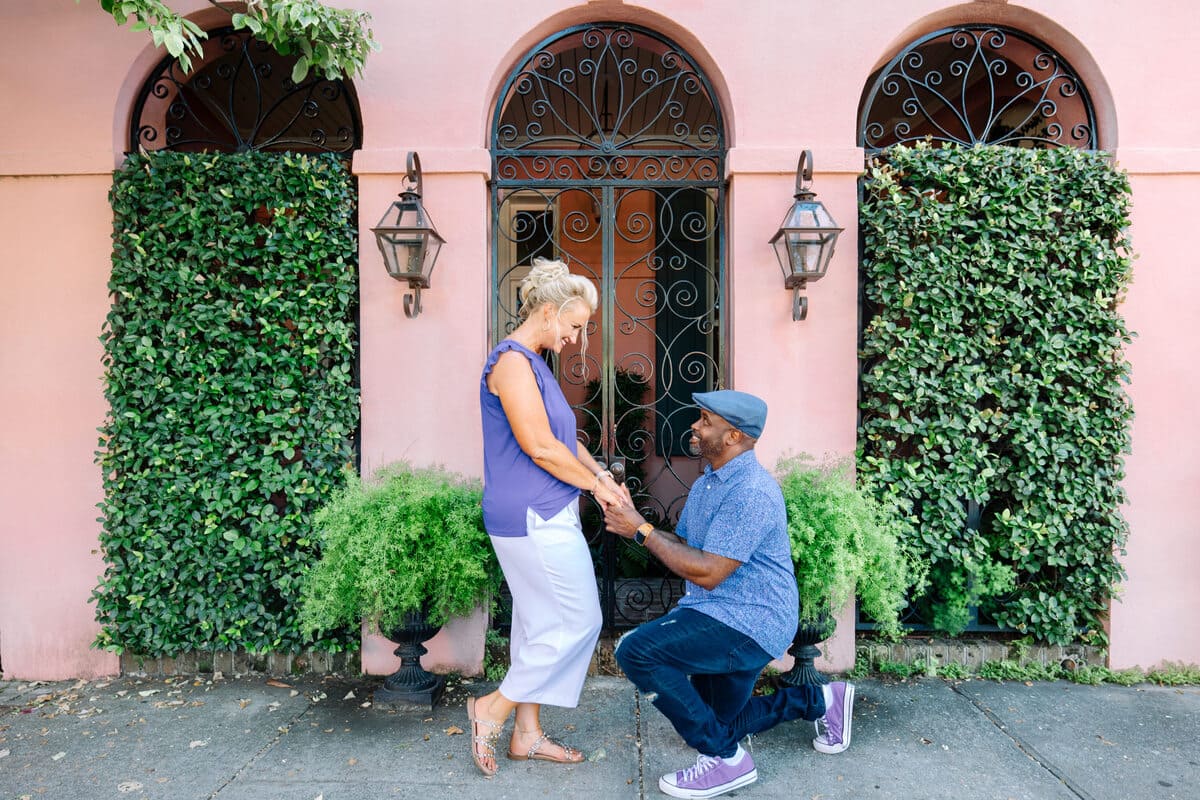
(608, 151)
(240, 96)
(977, 85)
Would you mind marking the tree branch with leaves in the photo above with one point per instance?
(332, 41)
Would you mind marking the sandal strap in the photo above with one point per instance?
(541, 740)
(488, 740)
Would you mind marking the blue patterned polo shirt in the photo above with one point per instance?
(737, 511)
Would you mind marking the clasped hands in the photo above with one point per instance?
(620, 515)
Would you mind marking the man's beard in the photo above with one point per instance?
(704, 449)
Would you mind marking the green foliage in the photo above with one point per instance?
(1026, 671)
(410, 540)
(952, 671)
(1171, 674)
(992, 371)
(495, 655)
(897, 669)
(844, 543)
(229, 354)
(332, 41)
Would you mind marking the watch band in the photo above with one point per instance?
(643, 530)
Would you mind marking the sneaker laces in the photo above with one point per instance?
(703, 764)
(822, 727)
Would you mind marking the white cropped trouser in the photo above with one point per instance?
(556, 609)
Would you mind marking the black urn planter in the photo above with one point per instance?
(411, 683)
(804, 649)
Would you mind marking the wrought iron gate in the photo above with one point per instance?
(608, 151)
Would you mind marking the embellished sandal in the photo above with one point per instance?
(483, 746)
(570, 754)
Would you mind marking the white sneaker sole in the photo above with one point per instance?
(699, 794)
(847, 724)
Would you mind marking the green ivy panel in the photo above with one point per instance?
(229, 371)
(993, 370)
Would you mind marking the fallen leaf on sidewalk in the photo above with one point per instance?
(244, 702)
(599, 755)
(198, 743)
(125, 787)
(352, 761)
(366, 704)
(926, 741)
(279, 684)
(148, 692)
(454, 730)
(58, 756)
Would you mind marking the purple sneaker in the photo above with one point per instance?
(839, 710)
(711, 776)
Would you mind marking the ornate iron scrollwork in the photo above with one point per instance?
(978, 85)
(240, 96)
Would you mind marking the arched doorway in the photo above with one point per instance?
(608, 151)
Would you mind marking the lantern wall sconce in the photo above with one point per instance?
(407, 239)
(805, 241)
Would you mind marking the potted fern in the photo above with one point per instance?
(404, 552)
(844, 544)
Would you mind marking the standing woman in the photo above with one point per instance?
(534, 469)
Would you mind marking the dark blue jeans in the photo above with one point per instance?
(702, 672)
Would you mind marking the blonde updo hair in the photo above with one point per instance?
(549, 281)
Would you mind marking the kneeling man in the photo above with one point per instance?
(699, 663)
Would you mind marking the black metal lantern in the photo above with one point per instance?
(805, 241)
(408, 240)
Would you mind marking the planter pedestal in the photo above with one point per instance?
(804, 649)
(411, 683)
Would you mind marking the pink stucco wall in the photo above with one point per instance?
(1153, 620)
(790, 76)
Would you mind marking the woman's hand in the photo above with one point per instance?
(622, 518)
(606, 491)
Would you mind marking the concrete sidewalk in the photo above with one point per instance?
(254, 738)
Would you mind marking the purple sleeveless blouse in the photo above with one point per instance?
(512, 483)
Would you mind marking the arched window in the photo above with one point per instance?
(977, 84)
(239, 97)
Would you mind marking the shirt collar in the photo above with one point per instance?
(732, 467)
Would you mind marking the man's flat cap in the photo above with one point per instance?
(743, 411)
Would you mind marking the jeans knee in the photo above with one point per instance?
(631, 654)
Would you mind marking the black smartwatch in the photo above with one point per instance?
(643, 531)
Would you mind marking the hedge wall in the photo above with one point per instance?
(229, 355)
(993, 371)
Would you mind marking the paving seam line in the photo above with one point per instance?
(1027, 748)
(641, 750)
(262, 751)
